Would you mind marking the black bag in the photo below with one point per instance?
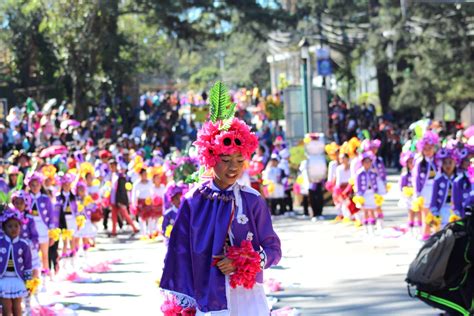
(442, 273)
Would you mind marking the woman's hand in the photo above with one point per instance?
(225, 265)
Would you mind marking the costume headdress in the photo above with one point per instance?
(405, 156)
(367, 155)
(66, 178)
(444, 153)
(429, 138)
(223, 134)
(22, 195)
(11, 214)
(331, 149)
(33, 176)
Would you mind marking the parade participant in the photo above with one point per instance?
(441, 198)
(88, 231)
(366, 186)
(379, 168)
(424, 173)
(332, 151)
(462, 186)
(15, 263)
(173, 195)
(22, 203)
(341, 186)
(3, 183)
(93, 189)
(142, 198)
(66, 207)
(13, 173)
(406, 189)
(119, 198)
(284, 165)
(159, 186)
(220, 223)
(43, 214)
(273, 181)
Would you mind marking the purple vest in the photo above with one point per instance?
(363, 179)
(405, 180)
(380, 169)
(45, 209)
(421, 171)
(461, 189)
(28, 230)
(21, 256)
(441, 188)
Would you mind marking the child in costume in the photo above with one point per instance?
(158, 178)
(342, 187)
(332, 151)
(66, 207)
(173, 197)
(15, 263)
(379, 167)
(441, 198)
(44, 216)
(223, 235)
(21, 202)
(406, 189)
(462, 186)
(87, 231)
(273, 179)
(142, 198)
(366, 186)
(424, 173)
(93, 189)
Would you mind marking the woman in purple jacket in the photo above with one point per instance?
(15, 263)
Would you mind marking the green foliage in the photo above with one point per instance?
(220, 106)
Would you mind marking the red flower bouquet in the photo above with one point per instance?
(171, 307)
(247, 263)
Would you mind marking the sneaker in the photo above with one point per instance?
(321, 218)
(314, 219)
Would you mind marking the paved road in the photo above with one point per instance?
(327, 269)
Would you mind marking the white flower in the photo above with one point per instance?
(250, 236)
(20, 252)
(42, 205)
(20, 260)
(3, 250)
(442, 185)
(242, 219)
(171, 221)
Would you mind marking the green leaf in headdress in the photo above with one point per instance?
(19, 181)
(4, 199)
(221, 108)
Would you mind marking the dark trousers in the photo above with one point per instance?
(316, 199)
(305, 205)
(274, 204)
(288, 201)
(53, 256)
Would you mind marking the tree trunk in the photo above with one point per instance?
(79, 98)
(385, 85)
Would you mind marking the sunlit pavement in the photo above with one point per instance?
(326, 269)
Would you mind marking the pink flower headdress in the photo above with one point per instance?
(429, 138)
(223, 134)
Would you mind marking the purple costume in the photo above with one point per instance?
(169, 218)
(365, 180)
(461, 189)
(405, 180)
(43, 208)
(380, 168)
(21, 256)
(66, 208)
(422, 171)
(4, 186)
(442, 193)
(200, 233)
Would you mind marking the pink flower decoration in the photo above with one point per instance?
(247, 263)
(212, 142)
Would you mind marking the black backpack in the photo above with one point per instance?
(442, 274)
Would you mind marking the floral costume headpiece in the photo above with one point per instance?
(223, 134)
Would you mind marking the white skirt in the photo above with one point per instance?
(405, 202)
(427, 192)
(88, 231)
(369, 197)
(11, 286)
(71, 222)
(243, 302)
(381, 186)
(42, 230)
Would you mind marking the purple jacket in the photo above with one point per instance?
(200, 233)
(363, 178)
(380, 169)
(28, 230)
(59, 207)
(421, 171)
(405, 180)
(462, 187)
(45, 209)
(21, 256)
(440, 192)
